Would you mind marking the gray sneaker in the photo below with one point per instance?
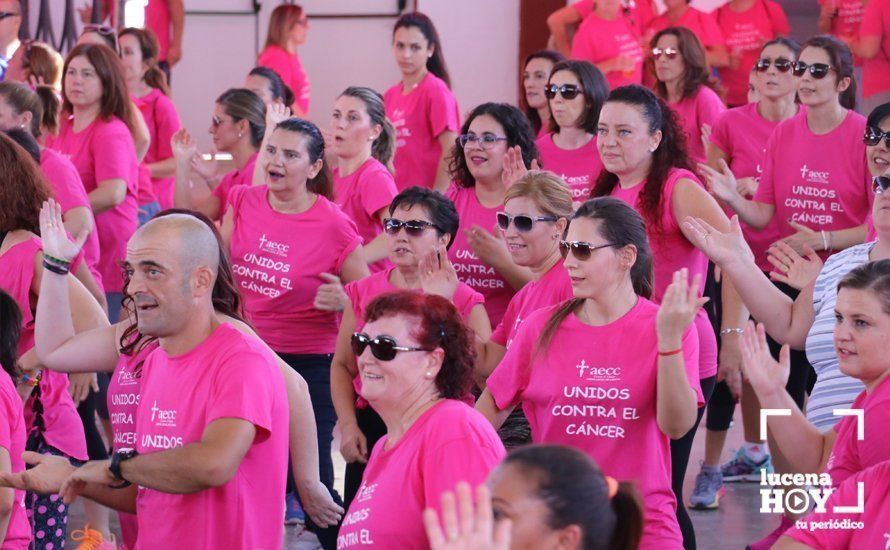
(708, 489)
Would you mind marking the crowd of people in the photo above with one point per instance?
(515, 316)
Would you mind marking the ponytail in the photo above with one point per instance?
(436, 62)
(384, 147)
(148, 47)
(279, 90)
(628, 509)
(51, 105)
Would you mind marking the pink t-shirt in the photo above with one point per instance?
(157, 18)
(229, 375)
(741, 133)
(599, 39)
(745, 33)
(876, 71)
(124, 389)
(102, 151)
(12, 438)
(69, 191)
(361, 195)
(704, 107)
(578, 167)
(242, 176)
(420, 117)
(641, 11)
(552, 288)
(594, 388)
(704, 25)
(163, 121)
(63, 428)
(847, 20)
(363, 291)
(277, 259)
(850, 454)
(470, 269)
(820, 181)
(671, 251)
(448, 443)
(875, 518)
(290, 69)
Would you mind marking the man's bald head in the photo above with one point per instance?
(190, 243)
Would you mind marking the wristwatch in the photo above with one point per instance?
(115, 466)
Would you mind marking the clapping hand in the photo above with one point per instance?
(466, 527)
(679, 306)
(792, 269)
(766, 375)
(53, 235)
(437, 274)
(721, 248)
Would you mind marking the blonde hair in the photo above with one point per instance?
(548, 191)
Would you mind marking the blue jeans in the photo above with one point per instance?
(148, 211)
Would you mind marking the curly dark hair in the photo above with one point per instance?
(24, 188)
(226, 298)
(671, 152)
(440, 326)
(517, 130)
(696, 72)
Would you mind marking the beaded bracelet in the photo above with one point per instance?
(57, 261)
(32, 380)
(57, 269)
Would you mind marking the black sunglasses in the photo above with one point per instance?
(384, 348)
(412, 227)
(880, 184)
(873, 136)
(522, 222)
(580, 250)
(781, 64)
(817, 70)
(567, 91)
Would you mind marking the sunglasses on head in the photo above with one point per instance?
(412, 227)
(580, 250)
(670, 53)
(101, 29)
(880, 184)
(521, 222)
(485, 141)
(781, 64)
(384, 348)
(873, 136)
(567, 91)
(817, 70)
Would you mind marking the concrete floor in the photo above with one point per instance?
(737, 522)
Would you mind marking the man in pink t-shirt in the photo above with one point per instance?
(212, 428)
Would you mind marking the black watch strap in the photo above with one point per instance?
(115, 466)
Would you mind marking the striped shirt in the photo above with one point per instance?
(833, 389)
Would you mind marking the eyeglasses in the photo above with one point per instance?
(521, 222)
(485, 141)
(384, 348)
(567, 91)
(880, 184)
(670, 53)
(580, 250)
(215, 121)
(781, 64)
(104, 30)
(817, 70)
(412, 227)
(873, 136)
(5, 14)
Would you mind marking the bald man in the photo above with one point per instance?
(212, 424)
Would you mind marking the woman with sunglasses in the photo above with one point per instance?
(610, 39)
(806, 322)
(237, 126)
(575, 92)
(420, 227)
(364, 141)
(737, 140)
(287, 239)
(609, 371)
(535, 78)
(746, 25)
(288, 27)
(421, 106)
(492, 134)
(815, 173)
(53, 424)
(95, 133)
(702, 25)
(646, 164)
(686, 85)
(148, 87)
(415, 358)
